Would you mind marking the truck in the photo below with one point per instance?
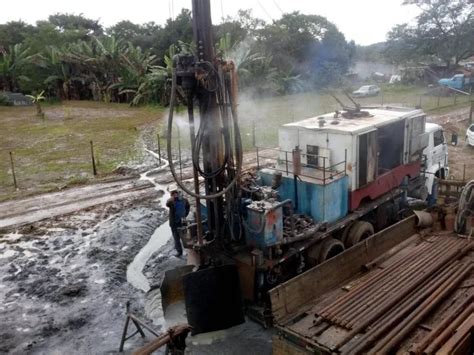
(334, 180)
(458, 82)
(435, 155)
(351, 172)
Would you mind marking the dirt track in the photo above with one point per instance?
(64, 264)
(44, 206)
(461, 157)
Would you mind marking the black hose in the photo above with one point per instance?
(169, 150)
(197, 148)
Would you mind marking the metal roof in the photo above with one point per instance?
(378, 117)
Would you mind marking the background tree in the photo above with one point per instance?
(72, 57)
(309, 46)
(12, 63)
(14, 32)
(444, 29)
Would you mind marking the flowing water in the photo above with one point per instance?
(159, 238)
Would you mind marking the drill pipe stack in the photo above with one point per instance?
(384, 308)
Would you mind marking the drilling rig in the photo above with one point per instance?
(213, 296)
(335, 180)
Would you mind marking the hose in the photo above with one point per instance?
(169, 150)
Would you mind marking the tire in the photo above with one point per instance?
(359, 231)
(345, 232)
(324, 250)
(329, 249)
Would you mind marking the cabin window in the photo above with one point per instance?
(312, 152)
(438, 138)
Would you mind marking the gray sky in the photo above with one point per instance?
(364, 21)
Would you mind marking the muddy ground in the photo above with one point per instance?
(461, 156)
(64, 287)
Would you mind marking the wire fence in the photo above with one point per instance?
(23, 170)
(72, 162)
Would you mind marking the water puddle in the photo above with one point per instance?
(159, 237)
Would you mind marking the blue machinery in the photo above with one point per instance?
(318, 192)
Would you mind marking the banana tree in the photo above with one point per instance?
(12, 61)
(37, 99)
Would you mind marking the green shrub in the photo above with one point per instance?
(4, 100)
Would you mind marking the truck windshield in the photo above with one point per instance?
(438, 138)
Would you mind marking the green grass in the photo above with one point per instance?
(54, 152)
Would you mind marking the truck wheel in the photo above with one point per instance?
(325, 250)
(345, 233)
(359, 231)
(329, 249)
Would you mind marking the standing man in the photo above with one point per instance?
(179, 209)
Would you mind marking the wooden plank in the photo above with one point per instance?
(280, 346)
(288, 298)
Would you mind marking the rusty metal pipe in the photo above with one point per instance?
(409, 287)
(396, 314)
(447, 328)
(404, 271)
(386, 306)
(394, 282)
(418, 349)
(363, 285)
(370, 283)
(412, 281)
(398, 333)
(178, 330)
(356, 304)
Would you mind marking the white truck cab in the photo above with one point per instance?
(436, 155)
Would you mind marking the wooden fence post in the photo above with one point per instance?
(13, 171)
(159, 147)
(254, 140)
(94, 168)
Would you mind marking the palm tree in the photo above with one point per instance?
(61, 74)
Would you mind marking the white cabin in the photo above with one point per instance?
(365, 147)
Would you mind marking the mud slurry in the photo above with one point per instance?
(63, 285)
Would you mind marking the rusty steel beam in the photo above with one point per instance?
(402, 329)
